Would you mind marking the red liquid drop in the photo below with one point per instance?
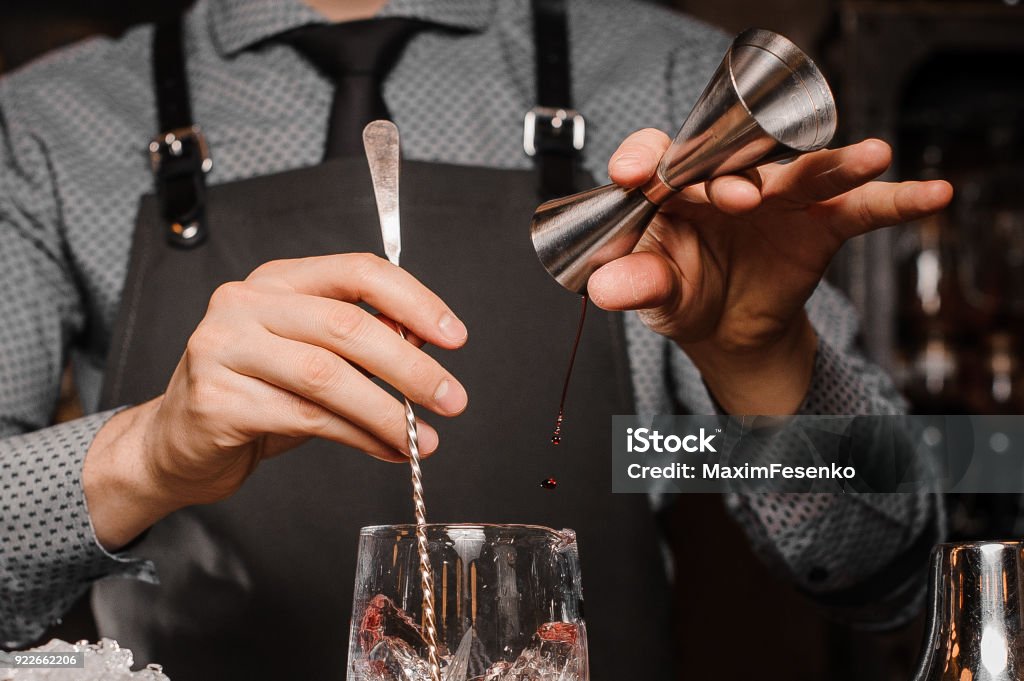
(556, 437)
(549, 483)
(562, 632)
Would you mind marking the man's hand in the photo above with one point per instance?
(726, 267)
(285, 355)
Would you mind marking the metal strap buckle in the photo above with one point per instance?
(547, 128)
(174, 143)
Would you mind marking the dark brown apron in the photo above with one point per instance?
(260, 585)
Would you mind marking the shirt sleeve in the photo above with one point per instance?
(48, 549)
(49, 555)
(862, 556)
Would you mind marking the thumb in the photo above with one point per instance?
(636, 159)
(638, 281)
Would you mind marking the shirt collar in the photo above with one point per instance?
(239, 24)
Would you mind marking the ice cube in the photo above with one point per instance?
(392, 659)
(555, 653)
(497, 670)
(382, 618)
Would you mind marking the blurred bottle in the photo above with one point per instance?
(995, 377)
(934, 319)
(930, 302)
(933, 381)
(992, 257)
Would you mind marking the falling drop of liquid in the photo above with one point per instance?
(556, 436)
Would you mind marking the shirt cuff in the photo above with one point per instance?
(51, 554)
(836, 387)
(846, 384)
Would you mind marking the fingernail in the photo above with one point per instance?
(452, 328)
(428, 440)
(627, 161)
(450, 397)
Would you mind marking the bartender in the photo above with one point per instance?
(222, 320)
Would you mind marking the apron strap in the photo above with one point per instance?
(553, 131)
(179, 155)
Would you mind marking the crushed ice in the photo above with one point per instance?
(104, 661)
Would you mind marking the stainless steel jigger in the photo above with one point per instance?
(766, 102)
(976, 621)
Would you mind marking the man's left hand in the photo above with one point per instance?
(726, 267)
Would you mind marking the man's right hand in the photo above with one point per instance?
(283, 356)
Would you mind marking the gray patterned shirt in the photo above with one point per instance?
(74, 127)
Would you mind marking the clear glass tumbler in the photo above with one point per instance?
(508, 604)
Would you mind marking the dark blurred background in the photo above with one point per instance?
(942, 300)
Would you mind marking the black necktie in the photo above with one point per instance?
(356, 56)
